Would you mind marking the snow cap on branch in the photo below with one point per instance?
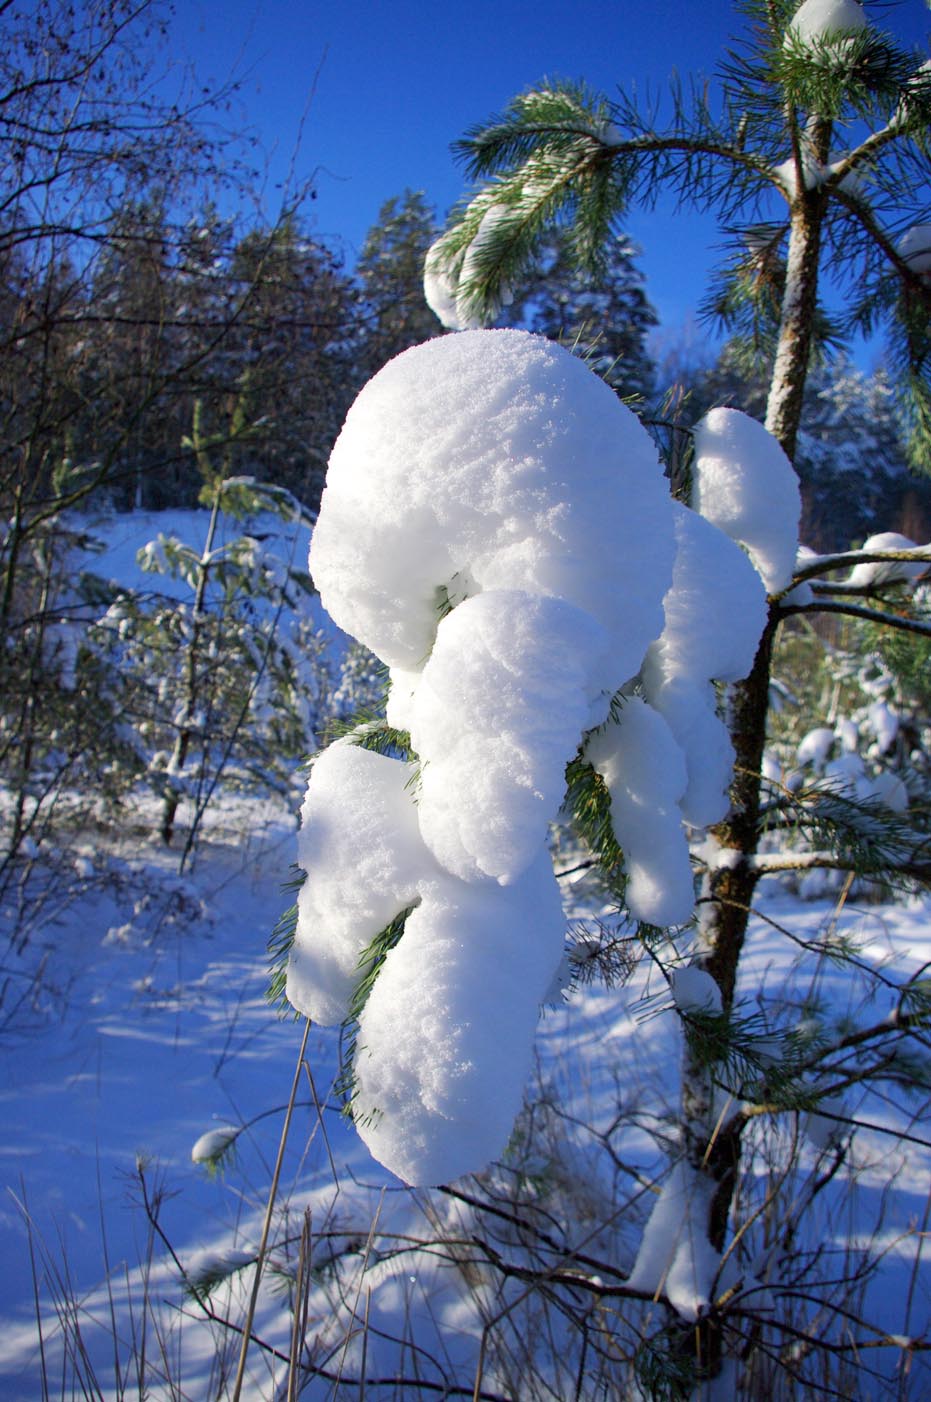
(439, 290)
(715, 613)
(494, 472)
(645, 775)
(445, 277)
(361, 849)
(915, 248)
(815, 174)
(694, 990)
(873, 572)
(745, 485)
(675, 1257)
(820, 19)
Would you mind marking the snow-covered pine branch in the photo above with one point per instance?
(496, 527)
(887, 547)
(561, 152)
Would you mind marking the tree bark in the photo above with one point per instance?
(714, 1148)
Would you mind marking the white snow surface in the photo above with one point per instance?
(675, 1256)
(715, 612)
(915, 248)
(818, 19)
(645, 774)
(872, 572)
(446, 1036)
(745, 485)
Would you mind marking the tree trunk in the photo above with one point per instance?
(799, 304)
(713, 1148)
(185, 730)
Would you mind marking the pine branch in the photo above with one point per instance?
(370, 964)
(554, 155)
(845, 559)
(885, 620)
(279, 948)
(912, 865)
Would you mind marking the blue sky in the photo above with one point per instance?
(372, 92)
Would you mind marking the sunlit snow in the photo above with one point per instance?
(744, 483)
(497, 529)
(821, 19)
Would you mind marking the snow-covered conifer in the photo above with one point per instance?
(815, 159)
(497, 528)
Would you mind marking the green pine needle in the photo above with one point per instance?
(370, 965)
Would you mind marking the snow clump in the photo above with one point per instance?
(497, 529)
(675, 1257)
(715, 614)
(745, 485)
(214, 1143)
(694, 990)
(446, 278)
(645, 774)
(814, 173)
(815, 747)
(915, 248)
(819, 20)
(873, 572)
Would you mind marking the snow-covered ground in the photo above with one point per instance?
(146, 1026)
(133, 1021)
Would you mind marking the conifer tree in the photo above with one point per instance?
(393, 310)
(606, 317)
(814, 154)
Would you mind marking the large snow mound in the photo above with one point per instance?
(491, 460)
(492, 473)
